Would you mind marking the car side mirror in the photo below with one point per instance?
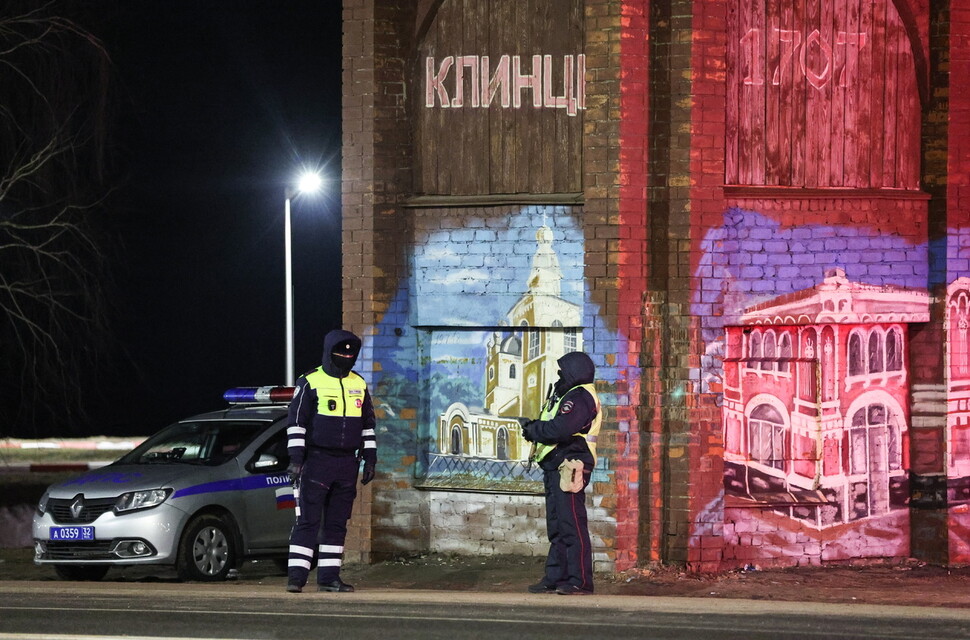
(266, 461)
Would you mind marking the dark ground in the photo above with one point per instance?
(909, 583)
(906, 583)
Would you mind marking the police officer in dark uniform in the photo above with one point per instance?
(331, 428)
(565, 448)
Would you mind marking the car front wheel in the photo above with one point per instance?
(207, 551)
(91, 572)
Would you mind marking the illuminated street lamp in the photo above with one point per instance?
(308, 183)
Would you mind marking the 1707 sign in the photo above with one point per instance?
(791, 52)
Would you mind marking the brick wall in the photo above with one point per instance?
(494, 524)
(669, 258)
(488, 524)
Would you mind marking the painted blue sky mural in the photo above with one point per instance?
(471, 277)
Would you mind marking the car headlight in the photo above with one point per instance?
(134, 500)
(42, 505)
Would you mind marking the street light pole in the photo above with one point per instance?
(288, 243)
(308, 183)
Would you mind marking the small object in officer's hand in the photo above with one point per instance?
(294, 470)
(527, 433)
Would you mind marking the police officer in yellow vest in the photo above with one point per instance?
(565, 448)
(331, 428)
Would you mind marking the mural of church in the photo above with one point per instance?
(520, 369)
(815, 414)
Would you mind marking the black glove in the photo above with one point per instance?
(527, 430)
(294, 470)
(369, 470)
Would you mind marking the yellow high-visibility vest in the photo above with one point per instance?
(548, 413)
(338, 396)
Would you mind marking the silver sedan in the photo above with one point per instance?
(203, 494)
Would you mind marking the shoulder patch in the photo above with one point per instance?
(567, 406)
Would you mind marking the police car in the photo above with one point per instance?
(203, 495)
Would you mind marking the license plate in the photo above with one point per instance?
(72, 533)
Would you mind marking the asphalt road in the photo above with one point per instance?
(235, 610)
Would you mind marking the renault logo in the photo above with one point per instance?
(77, 507)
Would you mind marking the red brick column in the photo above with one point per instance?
(709, 108)
(614, 154)
(632, 274)
(376, 167)
(928, 522)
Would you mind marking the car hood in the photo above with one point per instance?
(114, 480)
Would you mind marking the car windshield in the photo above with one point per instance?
(202, 442)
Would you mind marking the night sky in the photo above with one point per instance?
(216, 106)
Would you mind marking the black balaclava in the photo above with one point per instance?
(575, 368)
(340, 350)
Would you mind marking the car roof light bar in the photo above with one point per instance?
(259, 395)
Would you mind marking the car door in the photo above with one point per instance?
(270, 506)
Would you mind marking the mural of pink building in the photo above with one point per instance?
(816, 402)
(958, 390)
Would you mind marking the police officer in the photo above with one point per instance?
(331, 429)
(565, 448)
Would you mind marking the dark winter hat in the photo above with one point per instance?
(340, 351)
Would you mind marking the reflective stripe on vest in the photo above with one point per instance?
(338, 396)
(542, 450)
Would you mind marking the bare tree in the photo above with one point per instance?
(53, 97)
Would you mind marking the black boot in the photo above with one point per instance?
(337, 585)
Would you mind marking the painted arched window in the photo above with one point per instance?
(754, 349)
(857, 365)
(769, 350)
(875, 353)
(456, 441)
(512, 372)
(766, 436)
(784, 351)
(502, 445)
(870, 426)
(894, 350)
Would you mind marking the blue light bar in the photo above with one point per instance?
(259, 395)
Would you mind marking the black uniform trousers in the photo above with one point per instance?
(570, 559)
(327, 489)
